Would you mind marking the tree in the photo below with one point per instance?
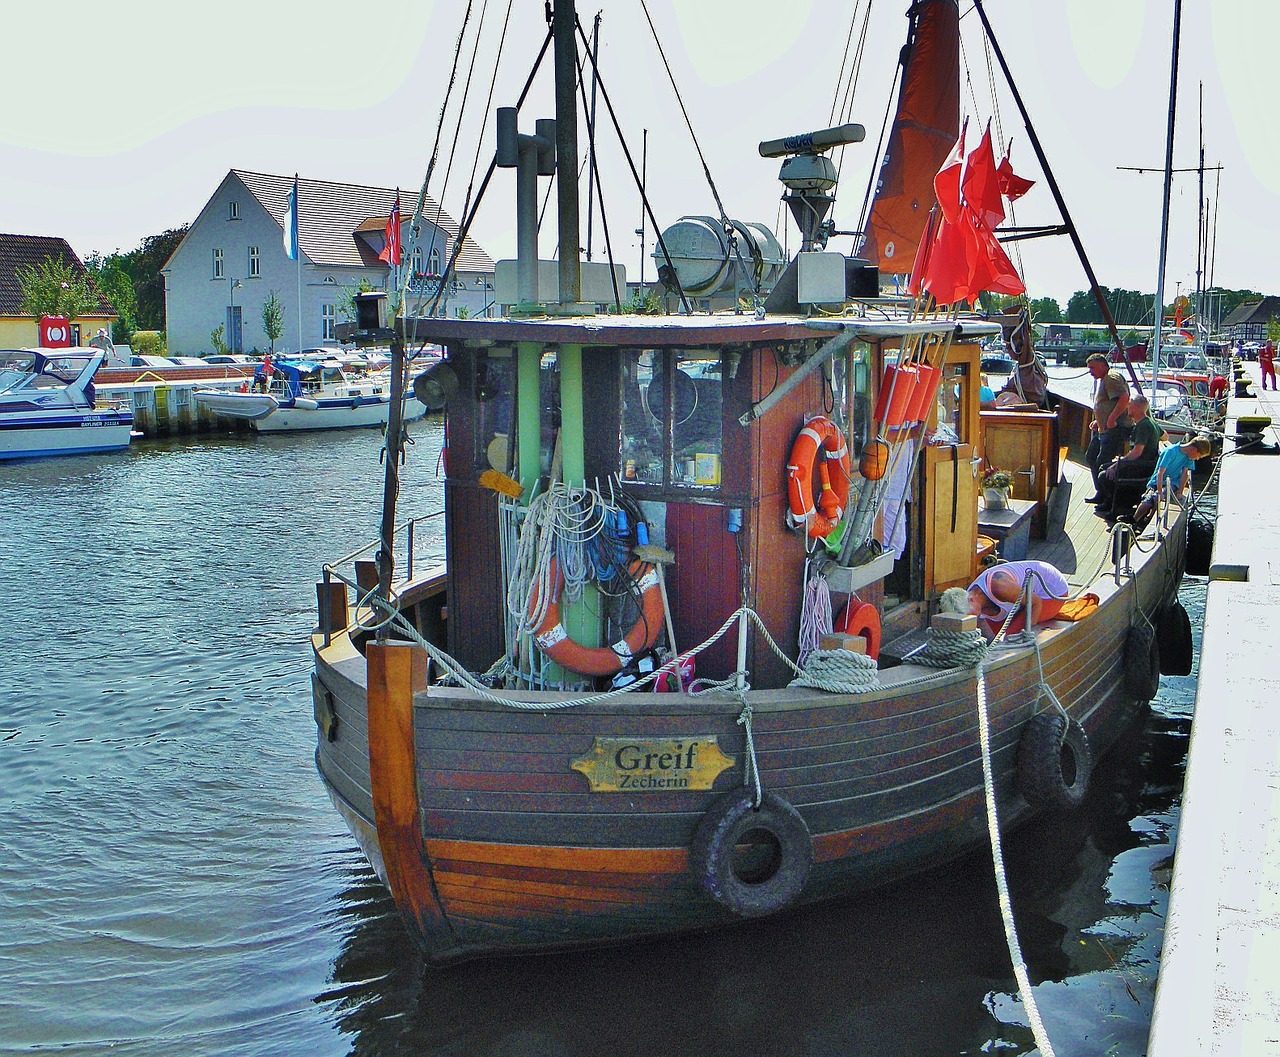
(218, 339)
(1127, 306)
(273, 319)
(54, 288)
(113, 282)
(1045, 310)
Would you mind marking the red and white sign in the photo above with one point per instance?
(55, 332)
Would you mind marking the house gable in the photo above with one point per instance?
(19, 251)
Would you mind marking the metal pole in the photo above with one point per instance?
(1168, 189)
(391, 481)
(566, 67)
(591, 128)
(1056, 192)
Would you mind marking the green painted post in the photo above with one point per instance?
(581, 619)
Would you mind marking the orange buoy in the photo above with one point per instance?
(860, 618)
(926, 389)
(875, 459)
(819, 433)
(554, 641)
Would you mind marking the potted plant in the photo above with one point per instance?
(996, 485)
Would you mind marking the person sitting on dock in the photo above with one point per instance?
(997, 592)
(1177, 460)
(1140, 460)
(1108, 428)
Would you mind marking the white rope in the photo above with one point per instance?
(1002, 884)
(839, 671)
(815, 613)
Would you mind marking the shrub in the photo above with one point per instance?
(148, 343)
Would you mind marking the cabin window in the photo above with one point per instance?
(953, 408)
(850, 396)
(217, 264)
(672, 433)
(255, 262)
(328, 317)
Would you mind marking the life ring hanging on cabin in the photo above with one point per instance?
(818, 433)
(553, 640)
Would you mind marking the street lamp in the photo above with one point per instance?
(483, 282)
(232, 343)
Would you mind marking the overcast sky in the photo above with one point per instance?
(124, 117)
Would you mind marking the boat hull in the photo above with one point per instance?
(503, 846)
(70, 432)
(334, 413)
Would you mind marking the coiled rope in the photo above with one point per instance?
(839, 671)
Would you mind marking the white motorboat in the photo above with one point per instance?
(48, 407)
(305, 394)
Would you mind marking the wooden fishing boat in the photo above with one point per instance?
(521, 785)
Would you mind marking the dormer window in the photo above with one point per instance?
(233, 210)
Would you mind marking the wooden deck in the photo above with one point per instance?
(1076, 539)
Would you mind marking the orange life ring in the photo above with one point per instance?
(554, 641)
(861, 618)
(818, 433)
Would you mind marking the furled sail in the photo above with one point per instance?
(925, 129)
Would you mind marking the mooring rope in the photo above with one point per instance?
(1002, 883)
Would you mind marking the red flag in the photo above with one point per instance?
(946, 185)
(924, 251)
(981, 184)
(992, 268)
(1012, 186)
(391, 251)
(950, 264)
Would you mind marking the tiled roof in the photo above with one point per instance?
(17, 251)
(1254, 312)
(330, 214)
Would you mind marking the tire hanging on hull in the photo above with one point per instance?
(1173, 640)
(772, 871)
(1054, 762)
(1142, 663)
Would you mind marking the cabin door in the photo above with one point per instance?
(950, 517)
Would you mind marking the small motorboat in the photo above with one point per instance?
(48, 406)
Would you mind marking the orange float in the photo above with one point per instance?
(819, 434)
(860, 618)
(896, 394)
(926, 390)
(554, 641)
(875, 459)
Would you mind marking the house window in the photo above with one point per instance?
(217, 264)
(255, 263)
(328, 316)
(233, 210)
(417, 262)
(434, 267)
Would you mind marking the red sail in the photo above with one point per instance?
(924, 131)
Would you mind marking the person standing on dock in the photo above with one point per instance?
(1139, 462)
(1267, 361)
(1109, 429)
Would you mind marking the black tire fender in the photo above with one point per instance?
(1054, 762)
(1199, 547)
(773, 871)
(1173, 637)
(1142, 663)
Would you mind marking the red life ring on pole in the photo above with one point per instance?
(861, 618)
(554, 641)
(819, 433)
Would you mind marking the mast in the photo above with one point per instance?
(1057, 193)
(1168, 190)
(591, 128)
(564, 19)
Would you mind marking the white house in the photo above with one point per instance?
(233, 258)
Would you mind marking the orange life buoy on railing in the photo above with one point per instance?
(554, 641)
(818, 433)
(861, 618)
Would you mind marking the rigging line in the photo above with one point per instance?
(844, 64)
(415, 223)
(594, 161)
(873, 176)
(465, 227)
(457, 129)
(706, 171)
(488, 104)
(644, 197)
(852, 89)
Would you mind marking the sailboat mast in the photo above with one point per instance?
(1168, 189)
(1056, 192)
(1201, 240)
(564, 21)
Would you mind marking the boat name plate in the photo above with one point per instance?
(652, 765)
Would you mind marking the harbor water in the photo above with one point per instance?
(174, 880)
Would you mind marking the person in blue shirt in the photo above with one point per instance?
(1175, 462)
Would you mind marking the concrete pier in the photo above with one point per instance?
(1219, 984)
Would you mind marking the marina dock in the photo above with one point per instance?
(1219, 983)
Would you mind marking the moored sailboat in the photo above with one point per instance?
(671, 485)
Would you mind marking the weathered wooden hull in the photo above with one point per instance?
(508, 850)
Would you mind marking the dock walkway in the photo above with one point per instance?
(1219, 984)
